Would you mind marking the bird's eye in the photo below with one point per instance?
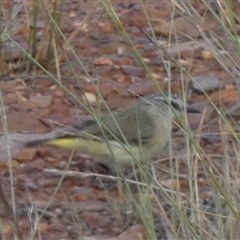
(174, 96)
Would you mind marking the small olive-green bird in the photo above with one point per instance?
(133, 134)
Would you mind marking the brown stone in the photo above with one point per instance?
(26, 155)
(102, 61)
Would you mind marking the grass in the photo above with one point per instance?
(179, 210)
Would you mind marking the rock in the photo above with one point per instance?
(206, 83)
(101, 61)
(26, 155)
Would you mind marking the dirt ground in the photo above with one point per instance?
(36, 105)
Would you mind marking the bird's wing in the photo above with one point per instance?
(132, 125)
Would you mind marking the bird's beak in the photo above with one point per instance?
(192, 110)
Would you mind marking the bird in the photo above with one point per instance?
(124, 138)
